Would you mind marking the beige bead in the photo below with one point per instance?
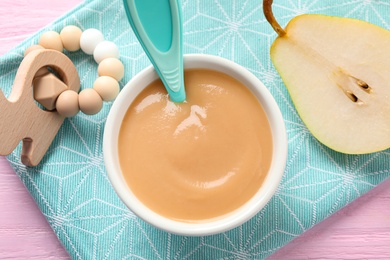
(32, 48)
(47, 89)
(90, 101)
(70, 37)
(111, 67)
(107, 87)
(51, 40)
(67, 103)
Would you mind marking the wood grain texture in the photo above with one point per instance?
(359, 231)
(24, 232)
(21, 119)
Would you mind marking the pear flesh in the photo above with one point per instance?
(337, 71)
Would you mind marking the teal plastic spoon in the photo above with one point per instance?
(157, 25)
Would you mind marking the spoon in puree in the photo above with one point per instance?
(158, 27)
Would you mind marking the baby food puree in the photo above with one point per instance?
(197, 160)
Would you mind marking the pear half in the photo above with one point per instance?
(337, 72)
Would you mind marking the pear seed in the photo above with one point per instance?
(352, 96)
(362, 84)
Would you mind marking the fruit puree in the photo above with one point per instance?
(197, 160)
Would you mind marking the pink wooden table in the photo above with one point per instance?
(359, 231)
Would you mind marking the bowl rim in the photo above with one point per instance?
(233, 219)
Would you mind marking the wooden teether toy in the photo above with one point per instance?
(21, 119)
(106, 86)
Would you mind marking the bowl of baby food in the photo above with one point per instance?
(199, 167)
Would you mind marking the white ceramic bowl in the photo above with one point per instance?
(239, 216)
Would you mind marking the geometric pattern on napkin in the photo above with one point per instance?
(71, 185)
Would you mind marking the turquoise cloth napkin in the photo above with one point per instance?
(71, 185)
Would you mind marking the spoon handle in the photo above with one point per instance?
(158, 27)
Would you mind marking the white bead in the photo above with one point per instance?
(104, 50)
(89, 39)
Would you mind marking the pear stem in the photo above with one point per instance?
(267, 9)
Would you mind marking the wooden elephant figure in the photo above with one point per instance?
(21, 119)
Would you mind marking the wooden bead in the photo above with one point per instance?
(104, 50)
(90, 101)
(46, 90)
(70, 37)
(111, 67)
(89, 39)
(107, 87)
(67, 103)
(51, 40)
